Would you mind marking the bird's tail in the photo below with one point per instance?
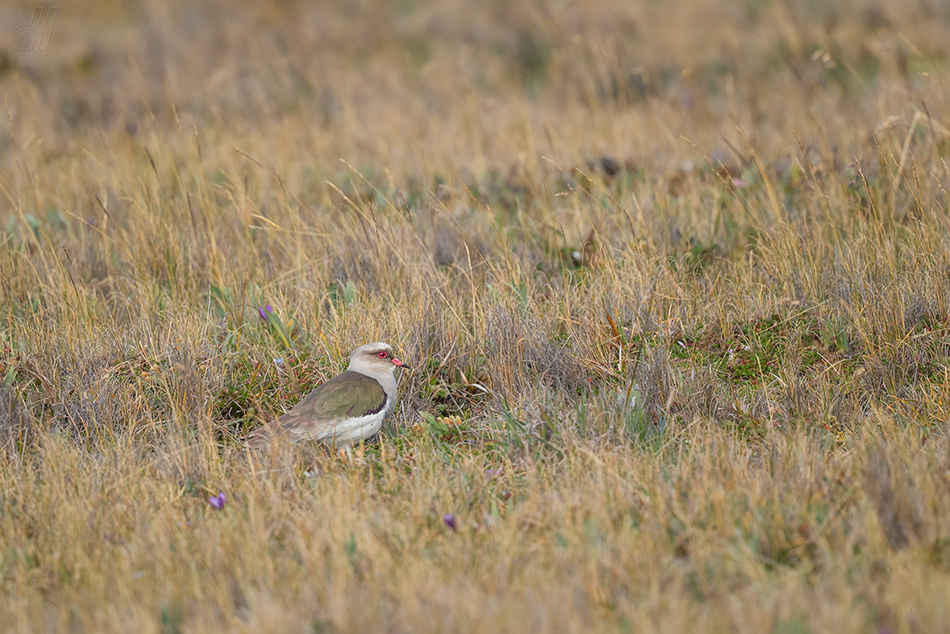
(265, 435)
(260, 438)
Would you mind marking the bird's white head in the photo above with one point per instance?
(374, 359)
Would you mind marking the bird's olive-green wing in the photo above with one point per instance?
(348, 395)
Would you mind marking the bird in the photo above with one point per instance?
(348, 408)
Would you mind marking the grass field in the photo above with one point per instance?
(673, 279)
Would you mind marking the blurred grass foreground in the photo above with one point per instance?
(673, 277)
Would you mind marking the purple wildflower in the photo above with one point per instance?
(217, 501)
(449, 520)
(260, 311)
(269, 309)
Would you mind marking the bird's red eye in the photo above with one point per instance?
(382, 355)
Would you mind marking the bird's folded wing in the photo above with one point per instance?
(345, 396)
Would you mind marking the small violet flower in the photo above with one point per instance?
(449, 520)
(260, 311)
(217, 501)
(269, 309)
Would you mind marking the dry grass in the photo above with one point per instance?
(672, 277)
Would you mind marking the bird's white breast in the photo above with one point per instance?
(353, 430)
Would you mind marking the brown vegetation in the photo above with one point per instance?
(672, 277)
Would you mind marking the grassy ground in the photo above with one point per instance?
(674, 280)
